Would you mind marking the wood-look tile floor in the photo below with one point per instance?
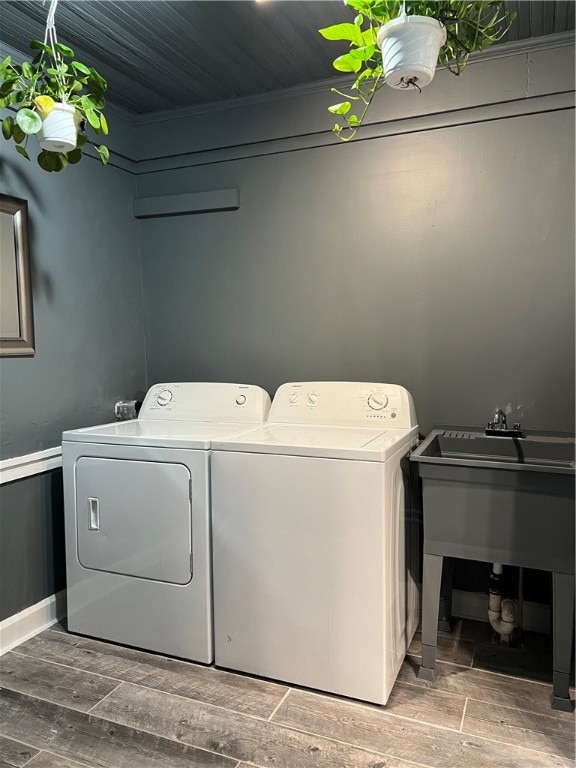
(70, 701)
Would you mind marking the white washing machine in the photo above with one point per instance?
(137, 517)
(315, 549)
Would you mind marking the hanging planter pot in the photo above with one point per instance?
(57, 98)
(387, 46)
(410, 47)
(59, 132)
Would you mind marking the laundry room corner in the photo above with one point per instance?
(287, 383)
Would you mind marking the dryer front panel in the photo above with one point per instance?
(134, 518)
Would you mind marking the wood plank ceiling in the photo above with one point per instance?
(162, 54)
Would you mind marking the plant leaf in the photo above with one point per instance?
(347, 63)
(340, 109)
(7, 87)
(74, 156)
(364, 53)
(16, 97)
(27, 69)
(38, 45)
(79, 67)
(63, 50)
(28, 120)
(44, 104)
(7, 127)
(97, 79)
(93, 118)
(47, 161)
(18, 134)
(22, 151)
(104, 154)
(369, 36)
(103, 125)
(343, 32)
(61, 161)
(360, 5)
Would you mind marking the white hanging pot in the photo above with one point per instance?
(410, 47)
(59, 132)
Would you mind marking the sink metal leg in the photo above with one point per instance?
(445, 609)
(431, 580)
(563, 624)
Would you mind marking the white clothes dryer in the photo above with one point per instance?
(137, 517)
(315, 547)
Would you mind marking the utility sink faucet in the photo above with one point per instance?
(498, 427)
(499, 421)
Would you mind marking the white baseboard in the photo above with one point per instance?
(474, 605)
(16, 629)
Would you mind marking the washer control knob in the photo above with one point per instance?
(294, 397)
(377, 402)
(164, 397)
(241, 399)
(312, 397)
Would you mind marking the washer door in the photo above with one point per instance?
(134, 518)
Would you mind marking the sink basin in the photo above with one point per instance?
(537, 453)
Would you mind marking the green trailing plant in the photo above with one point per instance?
(33, 87)
(470, 27)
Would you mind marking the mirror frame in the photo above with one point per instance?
(24, 343)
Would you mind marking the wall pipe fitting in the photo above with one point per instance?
(501, 613)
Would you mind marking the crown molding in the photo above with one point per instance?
(379, 130)
(504, 50)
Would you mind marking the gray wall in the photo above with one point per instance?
(438, 254)
(32, 557)
(87, 303)
(89, 331)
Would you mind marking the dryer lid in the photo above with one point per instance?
(163, 434)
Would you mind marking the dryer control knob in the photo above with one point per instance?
(241, 399)
(312, 397)
(377, 402)
(164, 397)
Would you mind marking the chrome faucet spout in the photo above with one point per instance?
(500, 421)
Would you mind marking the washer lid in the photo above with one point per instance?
(322, 441)
(163, 434)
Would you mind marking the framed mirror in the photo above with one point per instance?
(16, 324)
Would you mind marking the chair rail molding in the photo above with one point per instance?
(30, 464)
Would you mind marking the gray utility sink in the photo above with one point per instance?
(502, 500)
(534, 452)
